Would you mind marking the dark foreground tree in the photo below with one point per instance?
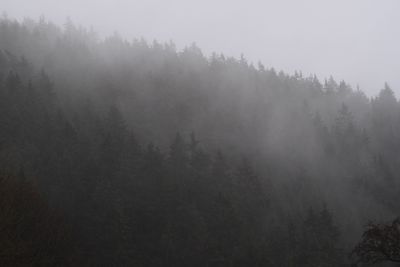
(31, 233)
(379, 243)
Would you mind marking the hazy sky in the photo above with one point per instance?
(354, 40)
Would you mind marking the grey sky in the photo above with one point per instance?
(354, 40)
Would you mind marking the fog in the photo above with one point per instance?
(357, 41)
(126, 141)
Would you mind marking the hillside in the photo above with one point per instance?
(154, 156)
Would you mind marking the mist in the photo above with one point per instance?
(356, 41)
(188, 134)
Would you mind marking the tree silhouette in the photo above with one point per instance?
(379, 243)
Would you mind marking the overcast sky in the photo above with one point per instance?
(354, 40)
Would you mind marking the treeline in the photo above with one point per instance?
(143, 155)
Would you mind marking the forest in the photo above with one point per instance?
(136, 153)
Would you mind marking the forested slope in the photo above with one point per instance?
(139, 154)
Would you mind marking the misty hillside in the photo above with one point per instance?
(130, 153)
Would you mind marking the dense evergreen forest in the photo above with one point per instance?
(129, 153)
